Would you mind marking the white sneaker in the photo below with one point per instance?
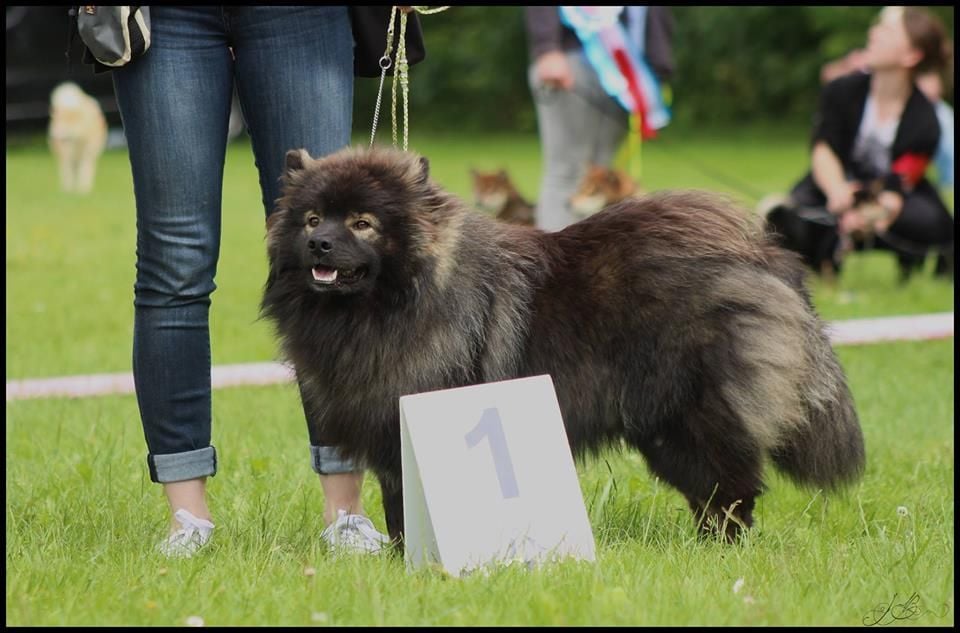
(192, 535)
(354, 532)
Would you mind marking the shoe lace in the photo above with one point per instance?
(191, 536)
(190, 527)
(363, 525)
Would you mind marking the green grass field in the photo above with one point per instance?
(83, 518)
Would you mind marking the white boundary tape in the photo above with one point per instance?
(852, 332)
(103, 384)
(880, 330)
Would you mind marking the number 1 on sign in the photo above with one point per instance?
(491, 427)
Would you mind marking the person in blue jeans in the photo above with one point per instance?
(293, 69)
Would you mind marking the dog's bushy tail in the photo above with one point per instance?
(828, 451)
(781, 375)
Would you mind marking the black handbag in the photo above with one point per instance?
(369, 25)
(112, 36)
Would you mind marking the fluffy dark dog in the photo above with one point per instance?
(670, 321)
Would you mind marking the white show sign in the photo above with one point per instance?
(488, 476)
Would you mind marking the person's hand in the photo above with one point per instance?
(854, 60)
(892, 203)
(841, 198)
(405, 9)
(553, 69)
(851, 222)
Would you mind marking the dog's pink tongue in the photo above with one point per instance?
(321, 273)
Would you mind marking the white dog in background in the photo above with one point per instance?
(78, 135)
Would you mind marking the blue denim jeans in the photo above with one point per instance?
(293, 71)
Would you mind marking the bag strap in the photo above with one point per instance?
(71, 36)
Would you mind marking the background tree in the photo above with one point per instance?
(733, 65)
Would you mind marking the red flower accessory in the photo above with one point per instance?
(911, 168)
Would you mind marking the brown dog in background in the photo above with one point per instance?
(601, 186)
(494, 193)
(77, 135)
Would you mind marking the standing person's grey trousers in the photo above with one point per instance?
(577, 127)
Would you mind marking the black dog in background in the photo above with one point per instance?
(811, 231)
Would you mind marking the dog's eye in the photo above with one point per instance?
(361, 225)
(313, 220)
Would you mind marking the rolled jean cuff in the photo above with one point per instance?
(327, 460)
(182, 466)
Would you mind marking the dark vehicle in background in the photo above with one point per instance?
(37, 44)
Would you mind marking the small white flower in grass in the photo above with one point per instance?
(737, 586)
(902, 511)
(748, 600)
(319, 616)
(309, 571)
(194, 620)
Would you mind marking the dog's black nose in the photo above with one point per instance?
(324, 246)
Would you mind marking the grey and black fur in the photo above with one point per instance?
(670, 321)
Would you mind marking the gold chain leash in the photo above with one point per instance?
(384, 66)
(401, 74)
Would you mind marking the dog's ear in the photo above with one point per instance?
(296, 160)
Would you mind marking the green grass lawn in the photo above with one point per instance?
(83, 518)
(70, 260)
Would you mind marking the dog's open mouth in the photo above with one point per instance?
(324, 275)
